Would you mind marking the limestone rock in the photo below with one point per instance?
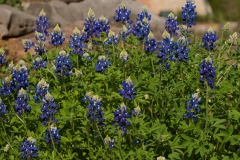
(107, 8)
(14, 22)
(54, 11)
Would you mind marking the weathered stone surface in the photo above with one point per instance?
(14, 22)
(53, 9)
(203, 7)
(106, 8)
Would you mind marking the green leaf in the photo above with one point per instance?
(69, 135)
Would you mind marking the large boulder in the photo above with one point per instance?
(104, 7)
(14, 22)
(54, 11)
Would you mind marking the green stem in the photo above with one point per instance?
(114, 56)
(120, 148)
(206, 105)
(4, 129)
(49, 130)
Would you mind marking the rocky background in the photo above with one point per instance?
(16, 25)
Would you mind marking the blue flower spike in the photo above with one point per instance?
(171, 24)
(29, 149)
(76, 43)
(122, 14)
(2, 60)
(27, 44)
(209, 39)
(63, 64)
(42, 24)
(207, 72)
(110, 142)
(193, 106)
(56, 37)
(48, 110)
(20, 76)
(3, 108)
(7, 86)
(41, 90)
(102, 64)
(124, 56)
(54, 134)
(120, 116)
(21, 103)
(111, 38)
(188, 13)
(128, 92)
(181, 54)
(39, 63)
(150, 43)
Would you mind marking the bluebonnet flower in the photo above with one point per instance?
(122, 14)
(125, 32)
(207, 72)
(39, 63)
(111, 38)
(120, 116)
(110, 142)
(20, 76)
(63, 64)
(40, 48)
(142, 28)
(181, 54)
(136, 111)
(3, 108)
(124, 55)
(42, 24)
(84, 35)
(166, 50)
(87, 97)
(150, 43)
(7, 86)
(144, 14)
(171, 24)
(76, 43)
(2, 61)
(41, 90)
(87, 56)
(128, 92)
(21, 103)
(102, 26)
(188, 13)
(193, 106)
(29, 149)
(90, 25)
(48, 110)
(102, 64)
(56, 36)
(27, 44)
(225, 27)
(95, 112)
(208, 39)
(54, 133)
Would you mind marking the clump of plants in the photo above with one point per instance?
(122, 95)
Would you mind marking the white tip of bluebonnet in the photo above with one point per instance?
(31, 139)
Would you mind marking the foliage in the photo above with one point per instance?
(13, 3)
(122, 97)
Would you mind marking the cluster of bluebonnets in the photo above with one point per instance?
(80, 43)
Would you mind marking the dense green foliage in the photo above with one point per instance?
(161, 129)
